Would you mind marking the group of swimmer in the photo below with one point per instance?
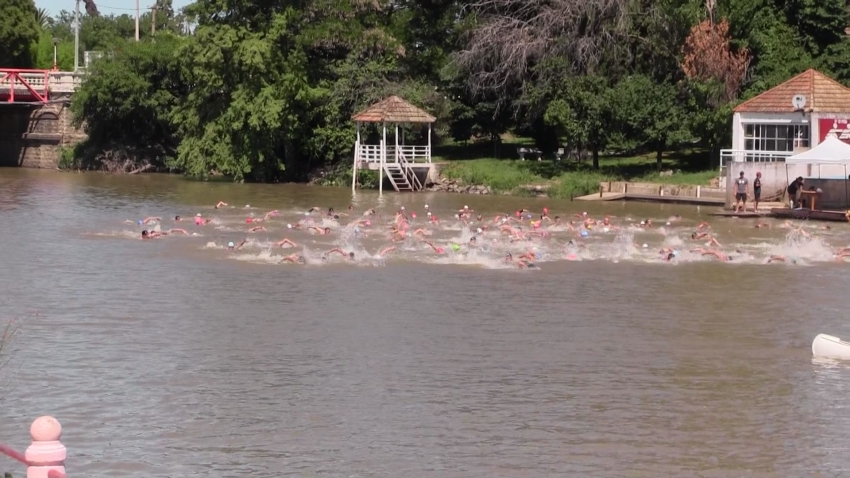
(521, 231)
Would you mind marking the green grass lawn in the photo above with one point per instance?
(484, 164)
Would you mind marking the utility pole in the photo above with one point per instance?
(153, 20)
(137, 18)
(77, 37)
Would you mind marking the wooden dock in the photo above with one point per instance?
(612, 196)
(742, 215)
(785, 213)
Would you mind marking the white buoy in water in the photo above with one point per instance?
(830, 347)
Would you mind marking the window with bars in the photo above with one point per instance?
(772, 137)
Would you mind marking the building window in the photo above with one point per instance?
(771, 137)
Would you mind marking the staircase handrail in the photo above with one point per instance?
(409, 172)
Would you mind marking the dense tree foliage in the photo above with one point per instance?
(265, 90)
(18, 31)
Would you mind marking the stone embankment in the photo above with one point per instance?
(454, 186)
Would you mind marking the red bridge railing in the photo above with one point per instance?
(45, 457)
(24, 86)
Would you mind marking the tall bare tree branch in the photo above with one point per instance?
(510, 37)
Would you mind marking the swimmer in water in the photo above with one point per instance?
(386, 251)
(437, 249)
(295, 258)
(177, 218)
(775, 258)
(319, 230)
(180, 231)
(340, 252)
(257, 229)
(231, 246)
(698, 235)
(149, 220)
(220, 204)
(703, 225)
(286, 242)
(707, 252)
(762, 225)
(713, 242)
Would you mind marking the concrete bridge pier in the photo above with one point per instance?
(32, 135)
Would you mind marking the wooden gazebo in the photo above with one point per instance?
(399, 161)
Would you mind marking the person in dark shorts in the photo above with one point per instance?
(741, 186)
(756, 192)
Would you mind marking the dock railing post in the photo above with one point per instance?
(45, 457)
(698, 191)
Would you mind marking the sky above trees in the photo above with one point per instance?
(116, 7)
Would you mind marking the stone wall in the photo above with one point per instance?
(31, 135)
(656, 189)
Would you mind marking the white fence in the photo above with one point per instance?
(371, 153)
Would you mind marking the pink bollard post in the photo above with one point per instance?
(46, 455)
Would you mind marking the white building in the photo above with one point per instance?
(787, 119)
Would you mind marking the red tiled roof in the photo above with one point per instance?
(393, 110)
(823, 95)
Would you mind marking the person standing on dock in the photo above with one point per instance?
(742, 185)
(793, 189)
(756, 191)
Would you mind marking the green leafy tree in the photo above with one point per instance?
(42, 53)
(128, 98)
(19, 30)
(649, 113)
(582, 113)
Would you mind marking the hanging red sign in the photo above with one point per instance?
(838, 127)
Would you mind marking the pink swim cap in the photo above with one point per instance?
(248, 220)
(368, 223)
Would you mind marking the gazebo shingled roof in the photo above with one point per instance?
(823, 95)
(393, 110)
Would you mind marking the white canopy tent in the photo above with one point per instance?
(831, 152)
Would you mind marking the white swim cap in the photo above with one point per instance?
(466, 207)
(402, 208)
(606, 229)
(642, 223)
(584, 213)
(479, 231)
(429, 213)
(247, 206)
(306, 213)
(231, 244)
(289, 226)
(457, 216)
(668, 223)
(645, 246)
(198, 215)
(426, 206)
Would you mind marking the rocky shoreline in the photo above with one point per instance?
(456, 186)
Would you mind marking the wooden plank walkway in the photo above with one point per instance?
(606, 196)
(785, 213)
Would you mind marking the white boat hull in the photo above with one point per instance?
(830, 347)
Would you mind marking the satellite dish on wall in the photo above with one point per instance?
(798, 102)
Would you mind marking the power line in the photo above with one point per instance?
(99, 6)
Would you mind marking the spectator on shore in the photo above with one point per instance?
(742, 185)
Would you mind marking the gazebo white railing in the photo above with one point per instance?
(395, 160)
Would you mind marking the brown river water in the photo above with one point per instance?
(176, 357)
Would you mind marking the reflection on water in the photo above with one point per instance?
(172, 358)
